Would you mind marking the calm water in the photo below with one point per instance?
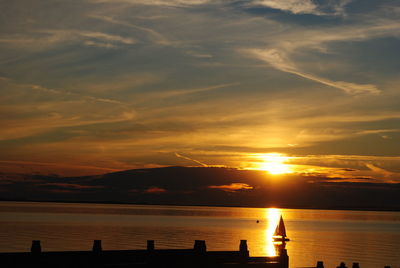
(370, 238)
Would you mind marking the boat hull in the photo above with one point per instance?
(280, 239)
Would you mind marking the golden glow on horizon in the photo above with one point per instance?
(274, 163)
(272, 215)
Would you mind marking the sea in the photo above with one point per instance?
(370, 238)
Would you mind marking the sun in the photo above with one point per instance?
(274, 163)
(275, 168)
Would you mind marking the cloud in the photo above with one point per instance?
(233, 187)
(154, 35)
(155, 190)
(278, 60)
(305, 6)
(380, 171)
(68, 93)
(98, 44)
(42, 39)
(293, 6)
(106, 37)
(119, 84)
(40, 109)
(199, 55)
(350, 167)
(47, 168)
(174, 93)
(173, 3)
(71, 186)
(281, 48)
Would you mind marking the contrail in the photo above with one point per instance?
(190, 159)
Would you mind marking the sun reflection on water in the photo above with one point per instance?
(272, 216)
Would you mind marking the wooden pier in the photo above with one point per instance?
(198, 256)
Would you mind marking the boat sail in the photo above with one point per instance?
(280, 231)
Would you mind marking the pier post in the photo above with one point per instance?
(244, 249)
(36, 247)
(283, 258)
(150, 245)
(97, 246)
(356, 265)
(200, 246)
(243, 246)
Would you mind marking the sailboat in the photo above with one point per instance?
(280, 232)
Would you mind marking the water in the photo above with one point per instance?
(370, 238)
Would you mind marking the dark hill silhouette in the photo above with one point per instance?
(204, 186)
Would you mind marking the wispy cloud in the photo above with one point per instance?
(154, 35)
(293, 6)
(280, 52)
(278, 60)
(42, 39)
(199, 54)
(99, 44)
(155, 97)
(374, 168)
(106, 37)
(159, 2)
(44, 109)
(174, 93)
(381, 171)
(305, 6)
(67, 169)
(69, 93)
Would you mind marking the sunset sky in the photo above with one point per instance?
(299, 86)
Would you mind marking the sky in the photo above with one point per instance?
(305, 86)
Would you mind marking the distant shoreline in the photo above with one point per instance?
(198, 205)
(215, 187)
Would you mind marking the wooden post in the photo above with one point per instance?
(200, 246)
(36, 248)
(320, 264)
(243, 246)
(150, 245)
(97, 246)
(244, 251)
(283, 258)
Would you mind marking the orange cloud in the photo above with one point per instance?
(232, 187)
(155, 190)
(72, 186)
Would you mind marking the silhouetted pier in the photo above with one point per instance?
(198, 256)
